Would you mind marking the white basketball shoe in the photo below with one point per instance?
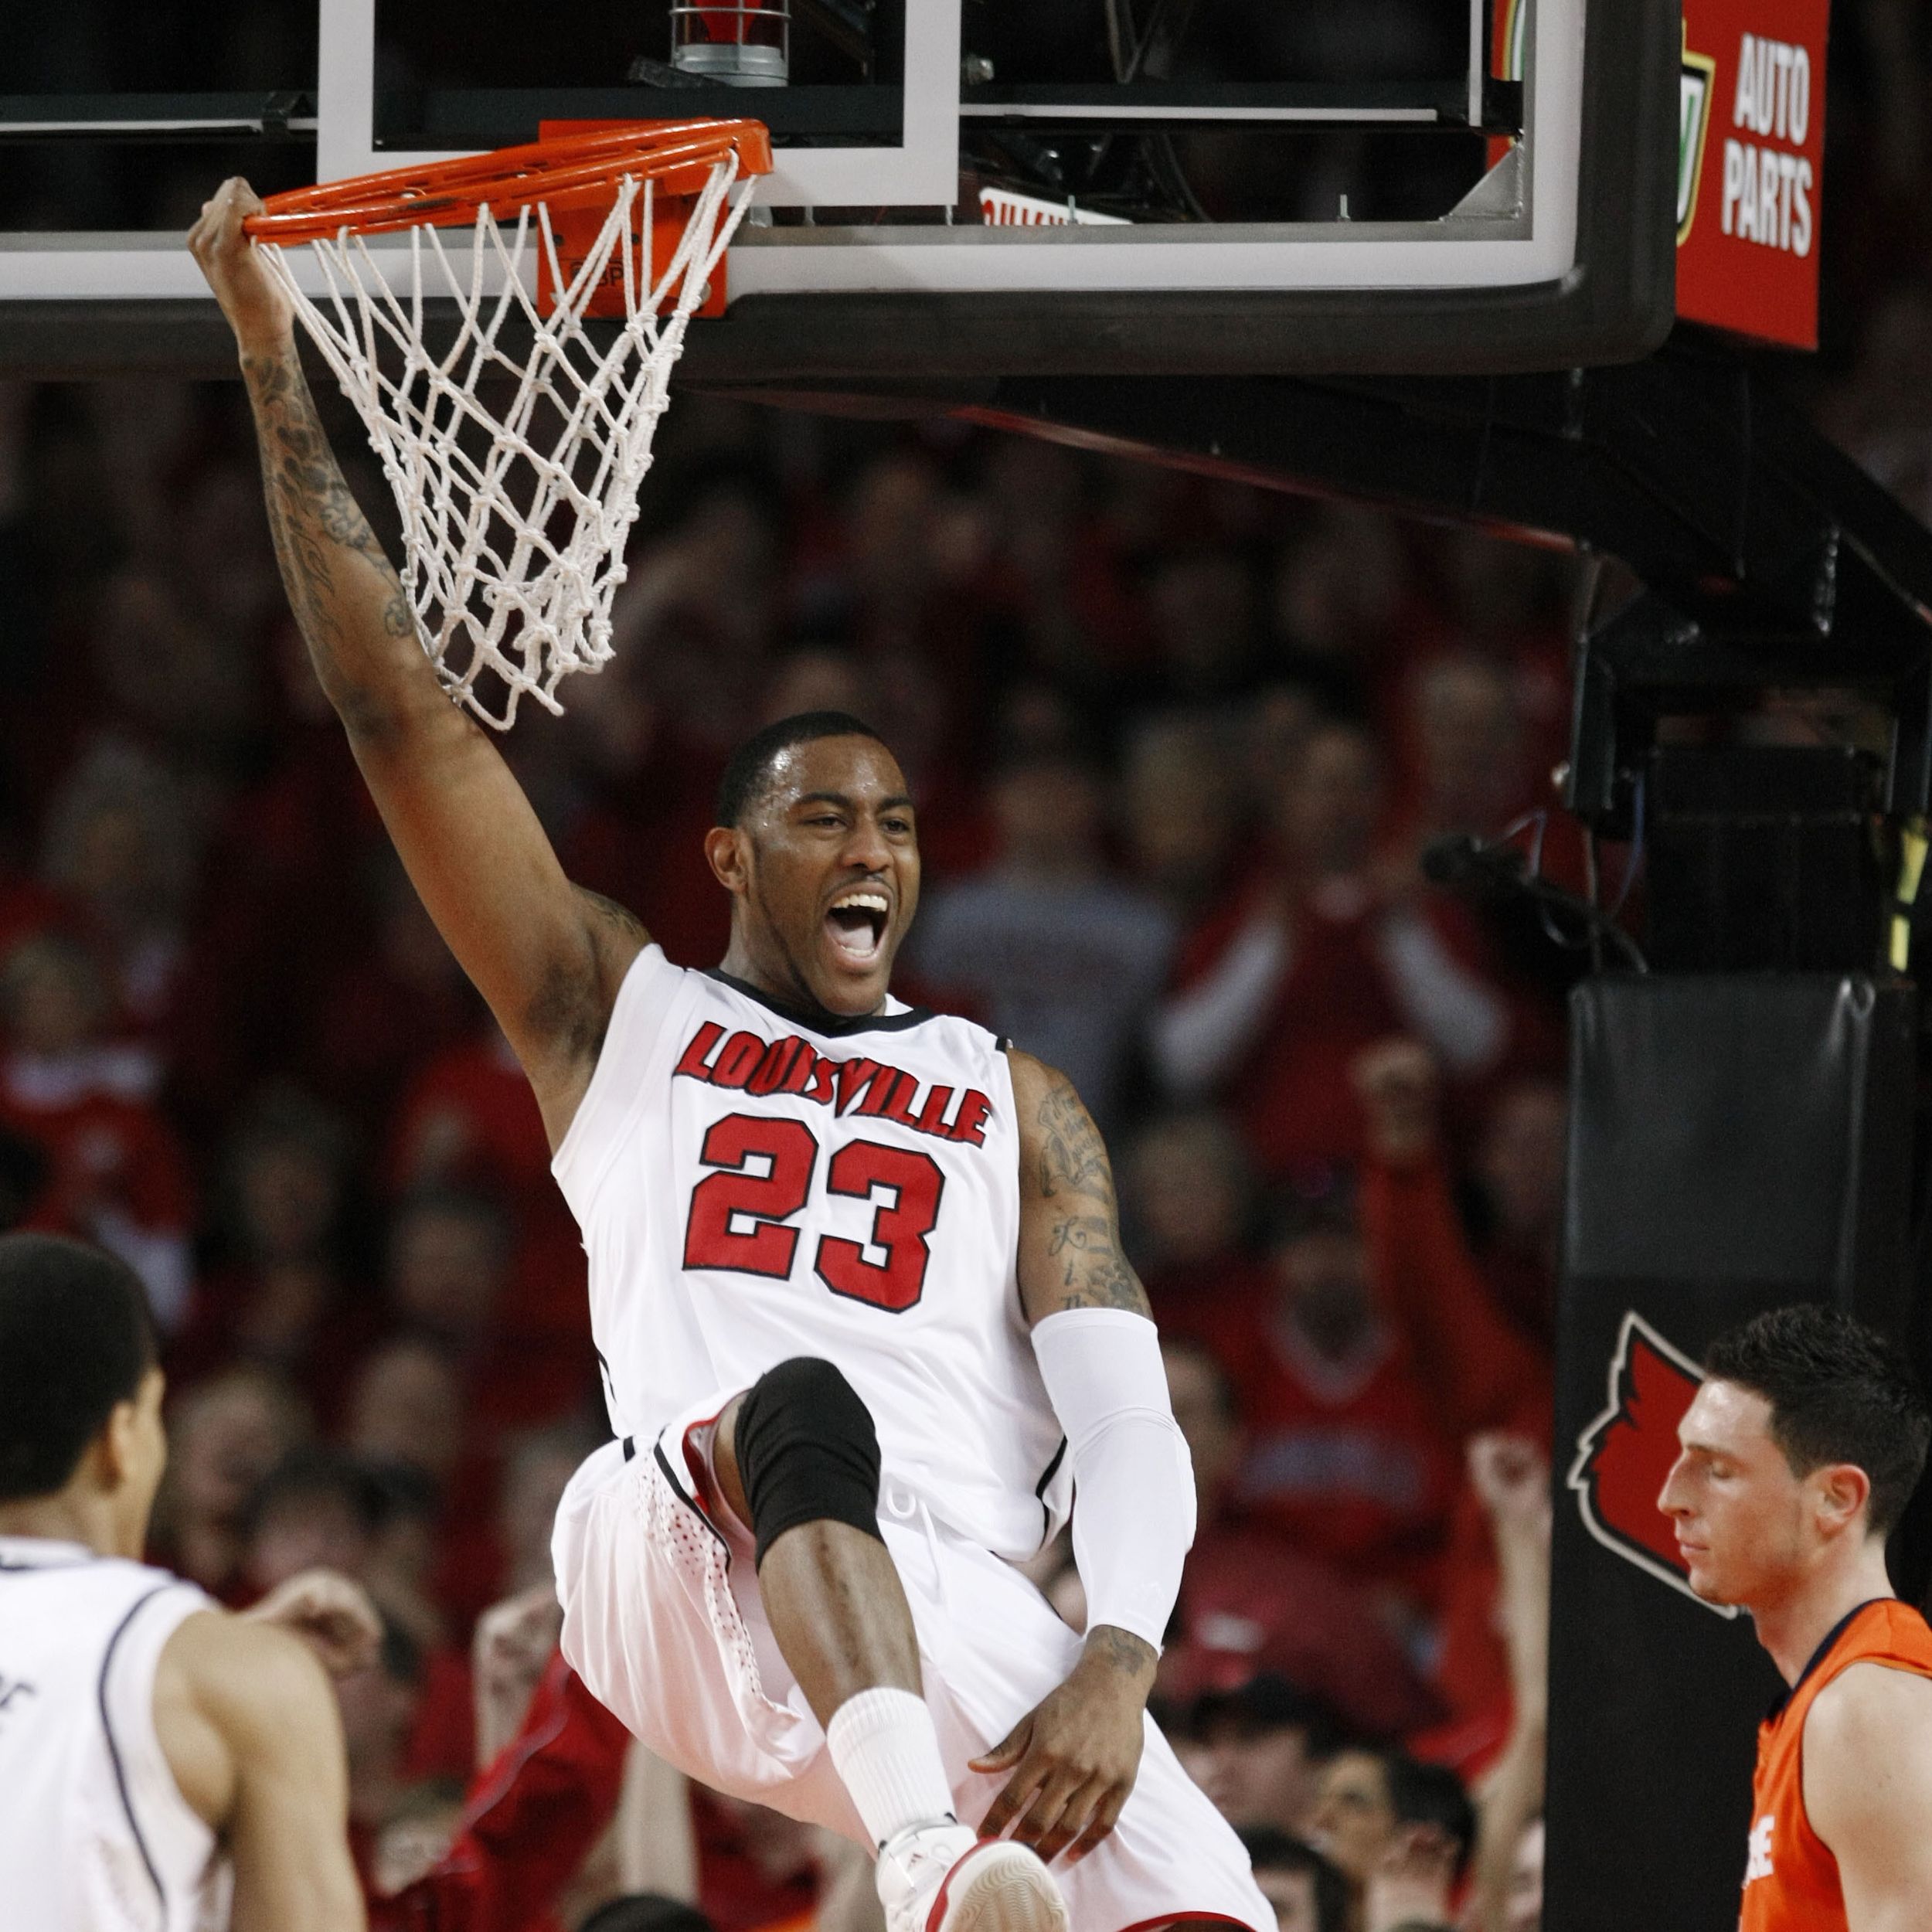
(944, 1878)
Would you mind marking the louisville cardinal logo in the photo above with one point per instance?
(1623, 1456)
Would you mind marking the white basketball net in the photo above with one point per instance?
(515, 510)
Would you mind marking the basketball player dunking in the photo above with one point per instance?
(855, 1280)
(1799, 1453)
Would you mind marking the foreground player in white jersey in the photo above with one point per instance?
(165, 1767)
(845, 1259)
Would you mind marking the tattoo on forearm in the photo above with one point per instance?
(1108, 1643)
(320, 532)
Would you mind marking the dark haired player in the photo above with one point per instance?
(165, 1767)
(1799, 1455)
(855, 1280)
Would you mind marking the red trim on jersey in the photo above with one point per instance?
(1177, 1918)
(710, 1505)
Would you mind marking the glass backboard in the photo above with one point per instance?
(963, 189)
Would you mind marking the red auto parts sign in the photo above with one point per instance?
(1750, 167)
(1750, 160)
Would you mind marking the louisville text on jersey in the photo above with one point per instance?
(752, 1065)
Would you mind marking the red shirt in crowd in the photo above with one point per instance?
(530, 1820)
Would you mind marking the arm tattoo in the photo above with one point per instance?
(322, 540)
(1084, 1240)
(1108, 1643)
(1073, 1159)
(608, 913)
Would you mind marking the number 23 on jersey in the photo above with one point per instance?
(762, 1171)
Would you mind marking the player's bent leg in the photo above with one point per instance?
(797, 1458)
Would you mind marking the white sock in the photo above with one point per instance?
(884, 1746)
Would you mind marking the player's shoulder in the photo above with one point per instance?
(240, 1670)
(1040, 1089)
(1867, 1759)
(1872, 1705)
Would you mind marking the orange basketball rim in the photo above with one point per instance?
(571, 172)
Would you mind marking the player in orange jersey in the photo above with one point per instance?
(1800, 1453)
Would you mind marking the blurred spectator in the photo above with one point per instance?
(379, 1706)
(313, 1510)
(534, 1473)
(1485, 1373)
(1469, 773)
(405, 1407)
(1201, 604)
(449, 1275)
(1519, 1180)
(1307, 1892)
(1046, 948)
(224, 1435)
(1258, 1752)
(1390, 1823)
(530, 1817)
(1187, 1190)
(319, 1509)
(758, 1871)
(1179, 808)
(1511, 1475)
(1280, 987)
(1346, 1458)
(120, 849)
(388, 1011)
(281, 1298)
(448, 1260)
(114, 1172)
(1252, 1604)
(469, 1121)
(168, 675)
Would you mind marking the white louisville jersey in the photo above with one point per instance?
(752, 1185)
(94, 1834)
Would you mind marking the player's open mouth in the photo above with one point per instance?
(856, 925)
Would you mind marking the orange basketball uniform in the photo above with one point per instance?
(1790, 1880)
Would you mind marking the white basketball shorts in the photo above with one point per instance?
(663, 1621)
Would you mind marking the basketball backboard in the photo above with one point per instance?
(1102, 186)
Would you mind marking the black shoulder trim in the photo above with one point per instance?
(114, 1749)
(832, 1025)
(1825, 1649)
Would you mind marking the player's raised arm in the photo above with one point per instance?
(248, 1726)
(1868, 1790)
(1074, 1758)
(548, 958)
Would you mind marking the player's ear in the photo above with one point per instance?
(728, 850)
(1842, 1490)
(115, 1451)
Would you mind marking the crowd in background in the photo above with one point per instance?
(1177, 746)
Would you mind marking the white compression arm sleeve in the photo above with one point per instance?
(1134, 1479)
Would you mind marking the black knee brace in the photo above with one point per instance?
(806, 1451)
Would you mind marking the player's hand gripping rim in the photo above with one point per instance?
(257, 309)
(1074, 1756)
